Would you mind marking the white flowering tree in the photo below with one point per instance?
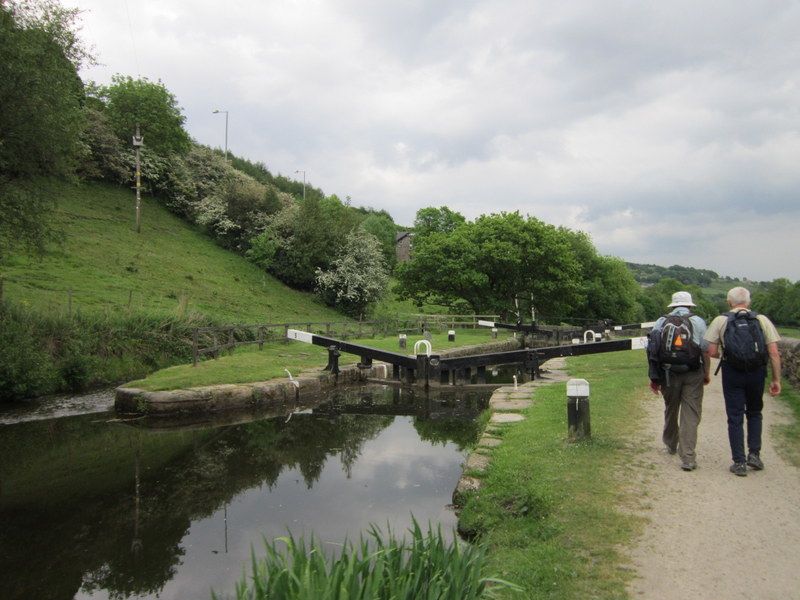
(358, 275)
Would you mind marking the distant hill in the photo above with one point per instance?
(170, 268)
(655, 273)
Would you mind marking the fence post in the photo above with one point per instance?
(260, 337)
(195, 349)
(578, 420)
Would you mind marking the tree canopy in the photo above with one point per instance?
(131, 102)
(41, 114)
(486, 263)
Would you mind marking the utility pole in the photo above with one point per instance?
(138, 142)
(304, 183)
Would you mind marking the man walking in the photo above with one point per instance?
(678, 368)
(748, 341)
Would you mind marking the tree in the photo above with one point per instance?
(41, 114)
(150, 105)
(382, 227)
(302, 238)
(357, 276)
(436, 220)
(488, 262)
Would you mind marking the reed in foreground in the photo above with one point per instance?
(380, 567)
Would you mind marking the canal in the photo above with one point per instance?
(92, 506)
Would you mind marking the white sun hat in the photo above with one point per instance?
(681, 299)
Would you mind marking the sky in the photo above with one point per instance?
(667, 131)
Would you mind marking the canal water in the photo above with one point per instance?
(92, 506)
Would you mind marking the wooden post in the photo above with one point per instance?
(195, 350)
(231, 341)
(260, 337)
(578, 420)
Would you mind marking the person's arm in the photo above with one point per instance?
(706, 367)
(712, 351)
(775, 363)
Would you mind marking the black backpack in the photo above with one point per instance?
(672, 347)
(743, 344)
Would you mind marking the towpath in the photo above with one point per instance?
(710, 534)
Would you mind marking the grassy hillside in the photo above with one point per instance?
(169, 269)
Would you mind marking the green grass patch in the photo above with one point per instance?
(168, 269)
(792, 332)
(248, 364)
(550, 510)
(789, 434)
(380, 567)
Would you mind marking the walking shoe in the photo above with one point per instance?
(688, 465)
(739, 469)
(671, 450)
(754, 461)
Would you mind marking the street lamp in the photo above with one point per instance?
(304, 183)
(216, 112)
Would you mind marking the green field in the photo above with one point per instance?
(169, 268)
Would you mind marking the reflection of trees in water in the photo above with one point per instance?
(127, 539)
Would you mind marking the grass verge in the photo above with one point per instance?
(551, 512)
(248, 364)
(789, 434)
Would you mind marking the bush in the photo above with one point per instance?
(25, 366)
(42, 353)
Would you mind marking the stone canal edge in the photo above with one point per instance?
(506, 405)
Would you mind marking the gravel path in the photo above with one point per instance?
(710, 534)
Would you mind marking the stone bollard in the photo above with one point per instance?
(494, 333)
(578, 420)
(403, 340)
(451, 335)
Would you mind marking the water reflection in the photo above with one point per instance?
(93, 508)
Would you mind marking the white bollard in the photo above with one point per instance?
(578, 420)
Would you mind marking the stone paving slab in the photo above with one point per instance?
(510, 404)
(507, 418)
(489, 442)
(477, 462)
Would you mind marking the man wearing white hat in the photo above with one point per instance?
(679, 368)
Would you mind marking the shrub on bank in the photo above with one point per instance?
(379, 567)
(43, 353)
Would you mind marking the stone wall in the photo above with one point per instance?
(790, 359)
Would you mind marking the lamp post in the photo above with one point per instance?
(304, 183)
(216, 112)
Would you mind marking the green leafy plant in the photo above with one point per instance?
(380, 566)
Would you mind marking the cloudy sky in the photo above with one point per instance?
(669, 131)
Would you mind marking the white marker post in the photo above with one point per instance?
(578, 420)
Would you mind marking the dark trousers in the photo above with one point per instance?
(744, 397)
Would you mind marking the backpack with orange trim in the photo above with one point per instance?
(674, 348)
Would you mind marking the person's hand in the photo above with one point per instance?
(655, 386)
(706, 378)
(774, 388)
